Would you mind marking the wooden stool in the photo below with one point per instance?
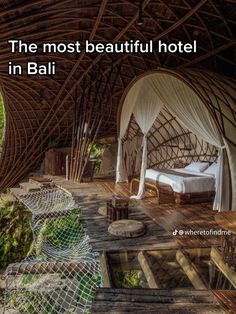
(117, 208)
(127, 228)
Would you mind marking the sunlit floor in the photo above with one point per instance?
(173, 219)
(178, 253)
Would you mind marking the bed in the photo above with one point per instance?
(192, 184)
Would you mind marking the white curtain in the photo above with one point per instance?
(184, 103)
(231, 152)
(126, 113)
(130, 155)
(146, 110)
(145, 100)
(138, 157)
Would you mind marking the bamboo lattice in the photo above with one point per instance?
(42, 108)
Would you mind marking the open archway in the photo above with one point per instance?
(171, 108)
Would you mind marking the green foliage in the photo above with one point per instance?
(126, 279)
(86, 284)
(1, 298)
(1, 119)
(31, 302)
(52, 143)
(96, 152)
(15, 232)
(7, 191)
(29, 278)
(62, 231)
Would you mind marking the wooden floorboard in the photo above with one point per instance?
(167, 217)
(155, 301)
(97, 228)
(190, 218)
(227, 299)
(161, 220)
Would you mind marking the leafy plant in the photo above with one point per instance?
(15, 232)
(29, 278)
(1, 298)
(31, 302)
(62, 231)
(126, 279)
(87, 283)
(96, 152)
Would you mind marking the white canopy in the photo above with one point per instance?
(145, 100)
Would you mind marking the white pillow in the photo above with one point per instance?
(212, 169)
(197, 166)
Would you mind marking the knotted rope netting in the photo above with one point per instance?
(60, 273)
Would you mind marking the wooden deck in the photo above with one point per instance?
(97, 228)
(161, 219)
(155, 301)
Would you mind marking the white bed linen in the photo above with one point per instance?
(203, 183)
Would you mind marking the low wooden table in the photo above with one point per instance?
(127, 228)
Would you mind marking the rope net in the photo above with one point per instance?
(60, 273)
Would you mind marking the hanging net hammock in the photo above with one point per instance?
(60, 273)
(47, 202)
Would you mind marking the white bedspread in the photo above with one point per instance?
(199, 182)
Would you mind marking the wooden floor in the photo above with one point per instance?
(167, 217)
(97, 228)
(161, 221)
(155, 301)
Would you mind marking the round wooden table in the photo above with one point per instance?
(127, 228)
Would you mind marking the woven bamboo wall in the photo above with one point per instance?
(39, 109)
(170, 144)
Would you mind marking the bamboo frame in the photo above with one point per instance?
(161, 138)
(40, 108)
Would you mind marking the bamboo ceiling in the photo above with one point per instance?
(41, 109)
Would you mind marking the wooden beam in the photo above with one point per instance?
(146, 266)
(147, 301)
(190, 271)
(181, 21)
(229, 273)
(14, 8)
(47, 268)
(105, 270)
(69, 77)
(99, 17)
(208, 54)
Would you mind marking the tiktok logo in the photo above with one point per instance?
(175, 232)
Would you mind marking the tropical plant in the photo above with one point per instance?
(62, 231)
(126, 279)
(96, 151)
(15, 232)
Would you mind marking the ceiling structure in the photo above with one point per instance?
(41, 109)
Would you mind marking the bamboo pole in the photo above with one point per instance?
(146, 266)
(190, 270)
